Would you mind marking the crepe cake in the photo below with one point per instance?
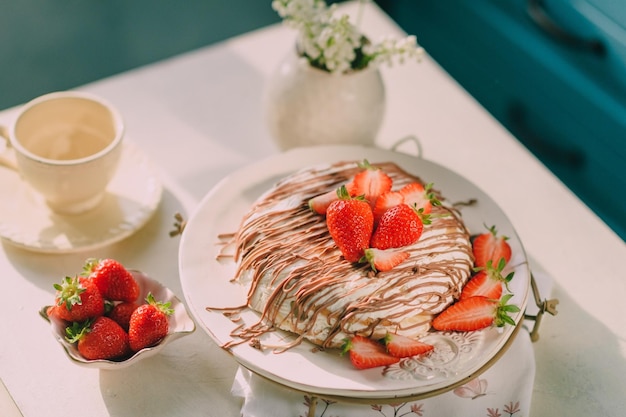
(298, 280)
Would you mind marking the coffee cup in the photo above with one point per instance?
(66, 146)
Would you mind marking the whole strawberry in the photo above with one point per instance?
(77, 299)
(149, 323)
(399, 226)
(115, 282)
(350, 223)
(100, 338)
(122, 312)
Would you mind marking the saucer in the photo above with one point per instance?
(132, 197)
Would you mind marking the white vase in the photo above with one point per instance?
(306, 106)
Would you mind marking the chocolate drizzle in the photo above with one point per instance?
(299, 281)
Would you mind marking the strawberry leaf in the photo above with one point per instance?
(431, 195)
(76, 330)
(502, 313)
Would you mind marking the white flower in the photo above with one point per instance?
(390, 48)
(336, 45)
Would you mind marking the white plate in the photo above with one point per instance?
(180, 324)
(132, 197)
(205, 282)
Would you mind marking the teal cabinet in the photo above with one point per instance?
(552, 72)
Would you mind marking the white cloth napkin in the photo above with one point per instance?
(504, 390)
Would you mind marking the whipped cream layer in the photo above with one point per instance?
(299, 281)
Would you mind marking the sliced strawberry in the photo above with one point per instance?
(386, 201)
(384, 260)
(320, 203)
(475, 313)
(350, 223)
(399, 226)
(404, 347)
(366, 353)
(489, 246)
(371, 182)
(488, 282)
(484, 285)
(416, 195)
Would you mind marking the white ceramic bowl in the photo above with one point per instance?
(180, 324)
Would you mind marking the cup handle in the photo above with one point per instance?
(7, 155)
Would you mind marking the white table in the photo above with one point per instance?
(199, 117)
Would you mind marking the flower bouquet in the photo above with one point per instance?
(336, 45)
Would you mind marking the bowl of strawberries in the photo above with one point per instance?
(110, 317)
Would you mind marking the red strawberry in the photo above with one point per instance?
(405, 347)
(149, 323)
(116, 283)
(367, 353)
(77, 299)
(489, 246)
(371, 182)
(320, 203)
(384, 260)
(386, 201)
(475, 313)
(100, 338)
(350, 223)
(399, 226)
(416, 195)
(57, 312)
(487, 282)
(121, 313)
(53, 312)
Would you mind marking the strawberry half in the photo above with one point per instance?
(404, 347)
(319, 204)
(386, 201)
(350, 223)
(475, 313)
(399, 226)
(371, 182)
(366, 353)
(490, 247)
(384, 260)
(488, 282)
(416, 195)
